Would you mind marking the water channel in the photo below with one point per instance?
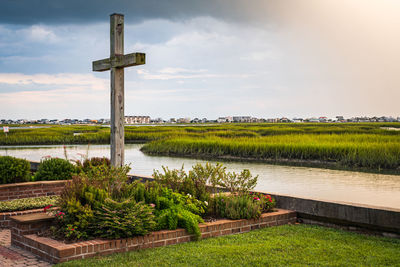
(332, 185)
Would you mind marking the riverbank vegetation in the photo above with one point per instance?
(369, 146)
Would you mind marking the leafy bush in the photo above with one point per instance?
(244, 206)
(204, 179)
(55, 169)
(123, 219)
(88, 164)
(240, 183)
(267, 202)
(174, 211)
(27, 203)
(235, 207)
(199, 182)
(14, 170)
(97, 204)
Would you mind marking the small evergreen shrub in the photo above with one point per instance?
(55, 169)
(123, 219)
(14, 170)
(99, 204)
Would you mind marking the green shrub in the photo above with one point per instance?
(174, 211)
(88, 164)
(99, 204)
(55, 169)
(240, 183)
(123, 219)
(267, 202)
(14, 170)
(204, 179)
(237, 206)
(199, 182)
(28, 203)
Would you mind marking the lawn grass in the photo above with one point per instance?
(288, 245)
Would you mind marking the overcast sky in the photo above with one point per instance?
(204, 58)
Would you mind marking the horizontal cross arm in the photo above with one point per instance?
(101, 65)
(119, 61)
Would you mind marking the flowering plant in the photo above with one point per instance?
(47, 207)
(267, 201)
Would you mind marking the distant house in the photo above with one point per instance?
(195, 120)
(241, 119)
(224, 119)
(297, 120)
(183, 120)
(137, 119)
(323, 119)
(157, 120)
(313, 120)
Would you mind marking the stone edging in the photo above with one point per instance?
(24, 235)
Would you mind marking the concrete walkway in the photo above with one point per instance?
(15, 257)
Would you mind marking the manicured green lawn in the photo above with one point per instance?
(295, 245)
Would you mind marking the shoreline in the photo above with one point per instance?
(332, 165)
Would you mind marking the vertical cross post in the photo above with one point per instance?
(117, 91)
(116, 63)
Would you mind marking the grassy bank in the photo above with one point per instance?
(298, 245)
(353, 150)
(358, 145)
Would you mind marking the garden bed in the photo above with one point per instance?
(25, 228)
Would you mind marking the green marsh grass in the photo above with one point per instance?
(360, 145)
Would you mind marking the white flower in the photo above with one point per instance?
(205, 202)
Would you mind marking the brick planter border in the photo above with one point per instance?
(31, 189)
(5, 221)
(23, 234)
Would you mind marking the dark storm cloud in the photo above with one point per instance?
(76, 11)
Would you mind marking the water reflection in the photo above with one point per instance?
(356, 187)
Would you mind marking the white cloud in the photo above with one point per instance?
(181, 70)
(64, 79)
(40, 33)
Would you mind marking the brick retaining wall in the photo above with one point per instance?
(5, 221)
(23, 234)
(31, 189)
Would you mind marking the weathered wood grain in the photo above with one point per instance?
(116, 63)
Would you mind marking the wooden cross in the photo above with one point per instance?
(116, 63)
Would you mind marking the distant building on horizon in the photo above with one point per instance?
(137, 119)
(241, 119)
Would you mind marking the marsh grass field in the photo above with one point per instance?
(365, 146)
